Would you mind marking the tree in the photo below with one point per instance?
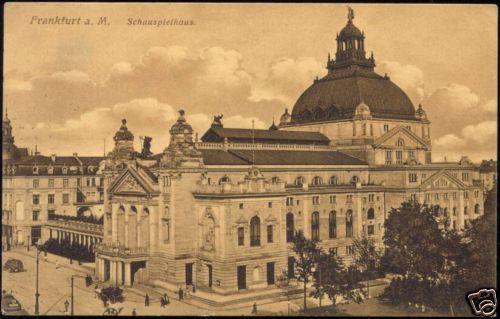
(366, 258)
(413, 241)
(334, 280)
(306, 252)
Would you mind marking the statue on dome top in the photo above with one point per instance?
(350, 14)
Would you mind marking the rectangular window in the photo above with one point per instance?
(371, 198)
(411, 154)
(241, 205)
(50, 213)
(93, 181)
(371, 229)
(465, 177)
(65, 198)
(413, 198)
(270, 204)
(36, 213)
(241, 236)
(412, 177)
(36, 183)
(399, 157)
(36, 199)
(50, 199)
(333, 199)
(476, 193)
(349, 250)
(315, 200)
(291, 267)
(454, 195)
(445, 195)
(427, 197)
(466, 194)
(269, 233)
(335, 251)
(386, 127)
(289, 201)
(88, 181)
(65, 182)
(51, 183)
(436, 196)
(349, 199)
(388, 157)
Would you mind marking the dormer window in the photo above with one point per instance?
(35, 169)
(223, 179)
(65, 170)
(317, 181)
(50, 170)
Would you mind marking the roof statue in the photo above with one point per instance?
(146, 146)
(217, 121)
(350, 13)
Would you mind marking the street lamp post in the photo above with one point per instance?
(37, 295)
(72, 295)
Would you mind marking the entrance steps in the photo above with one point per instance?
(213, 301)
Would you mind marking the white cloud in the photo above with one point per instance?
(286, 79)
(481, 133)
(490, 106)
(408, 77)
(145, 117)
(449, 141)
(453, 97)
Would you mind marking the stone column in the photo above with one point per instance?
(152, 228)
(128, 281)
(119, 273)
(114, 222)
(102, 274)
(126, 227)
(138, 227)
(460, 212)
(112, 272)
(358, 218)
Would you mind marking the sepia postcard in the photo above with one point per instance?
(249, 159)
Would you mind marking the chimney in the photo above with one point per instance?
(53, 157)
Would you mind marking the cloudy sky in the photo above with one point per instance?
(67, 87)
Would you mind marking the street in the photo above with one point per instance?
(55, 289)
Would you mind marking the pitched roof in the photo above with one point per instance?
(217, 134)
(277, 157)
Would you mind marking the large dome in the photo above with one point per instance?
(334, 98)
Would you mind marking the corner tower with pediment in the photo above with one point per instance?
(363, 113)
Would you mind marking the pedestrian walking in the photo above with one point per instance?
(254, 308)
(146, 300)
(66, 306)
(97, 291)
(181, 294)
(167, 300)
(134, 313)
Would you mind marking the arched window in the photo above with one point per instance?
(332, 222)
(348, 223)
(224, 179)
(133, 210)
(476, 209)
(370, 214)
(400, 143)
(289, 227)
(255, 231)
(299, 181)
(334, 180)
(465, 210)
(275, 179)
(315, 226)
(317, 181)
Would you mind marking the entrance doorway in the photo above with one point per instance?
(242, 277)
(134, 267)
(189, 274)
(36, 234)
(209, 275)
(270, 273)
